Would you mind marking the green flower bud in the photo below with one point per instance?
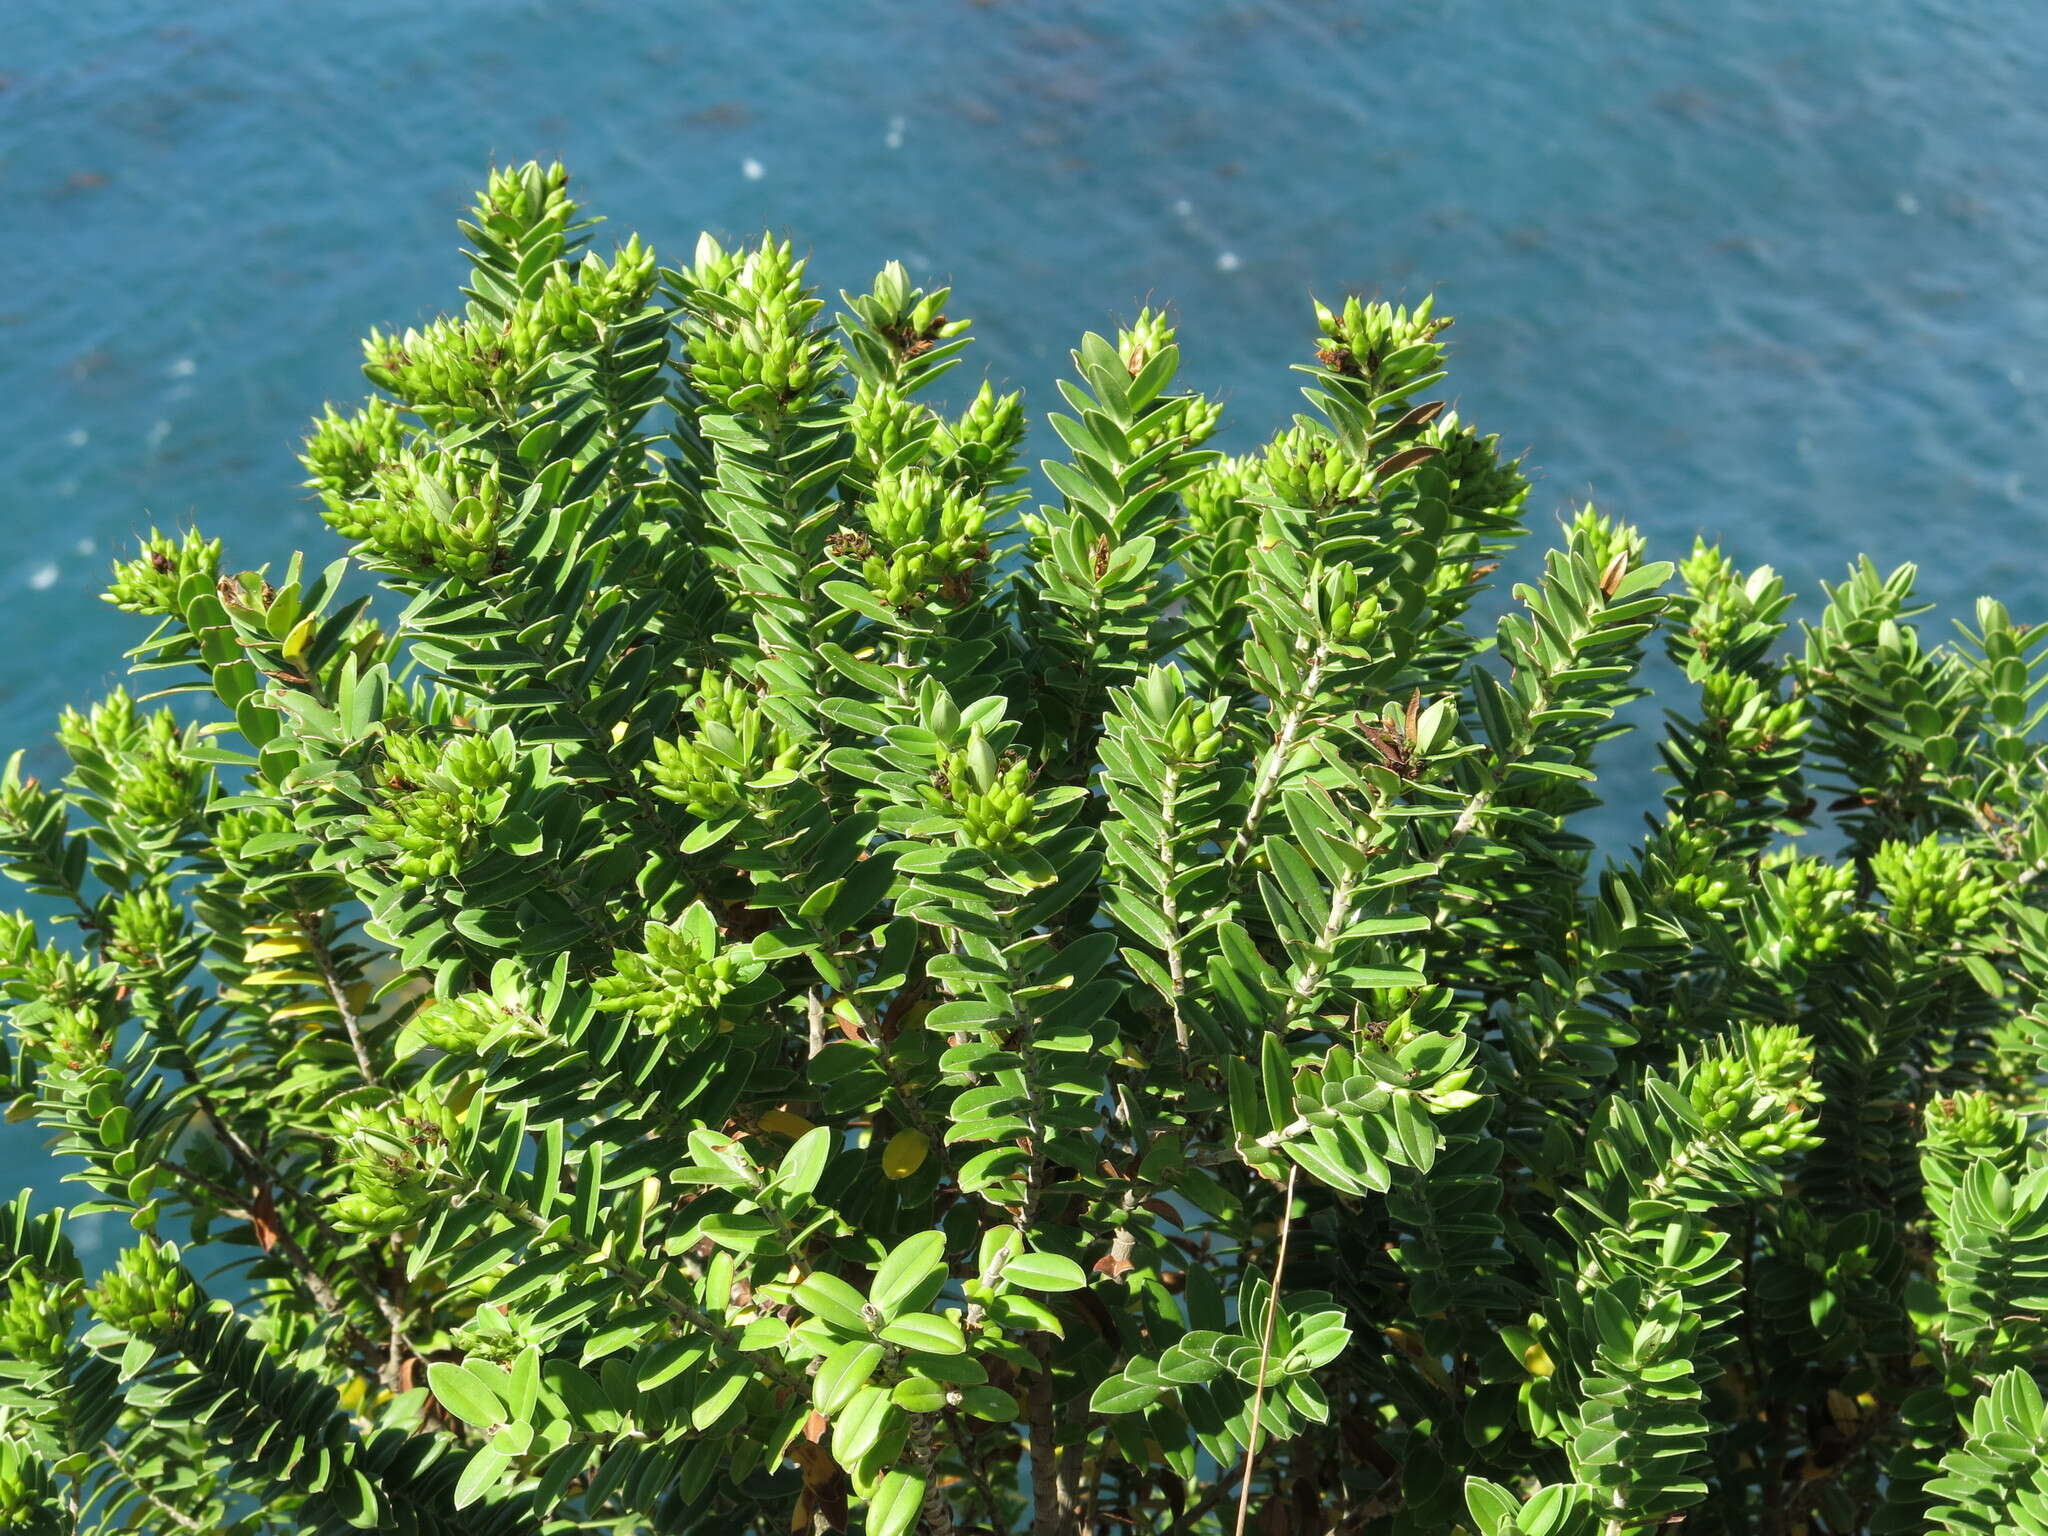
(752, 343)
(524, 207)
(1307, 467)
(1933, 890)
(437, 516)
(1757, 1092)
(1383, 347)
(458, 1025)
(885, 424)
(1216, 499)
(446, 793)
(1967, 1128)
(147, 925)
(342, 453)
(980, 449)
(1604, 542)
(924, 540)
(678, 982)
(717, 772)
(147, 1292)
(35, 1319)
(149, 583)
(496, 1335)
(1484, 488)
(581, 305)
(29, 1500)
(1811, 912)
(394, 1154)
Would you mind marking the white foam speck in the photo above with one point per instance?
(43, 577)
(78, 437)
(183, 368)
(893, 139)
(1227, 261)
(1183, 208)
(2016, 377)
(67, 486)
(1908, 203)
(752, 169)
(158, 433)
(87, 545)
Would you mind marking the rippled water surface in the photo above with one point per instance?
(1779, 273)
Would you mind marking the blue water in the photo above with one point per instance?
(1776, 272)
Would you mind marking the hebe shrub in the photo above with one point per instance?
(778, 982)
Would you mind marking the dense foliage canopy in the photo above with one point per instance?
(778, 982)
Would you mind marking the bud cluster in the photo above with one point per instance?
(520, 206)
(149, 583)
(980, 449)
(466, 366)
(1349, 616)
(342, 453)
(1388, 349)
(1758, 1095)
(886, 424)
(735, 747)
(1195, 733)
(678, 982)
(924, 540)
(1307, 467)
(1812, 911)
(1215, 498)
(1968, 1128)
(753, 346)
(447, 792)
(147, 925)
(35, 1319)
(1481, 481)
(496, 1335)
(426, 516)
(1189, 419)
(458, 1025)
(147, 1291)
(141, 761)
(990, 797)
(581, 305)
(1698, 871)
(1606, 543)
(1933, 889)
(394, 1154)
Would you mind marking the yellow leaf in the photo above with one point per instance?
(905, 1154)
(783, 1123)
(1538, 1360)
(318, 1008)
(300, 639)
(273, 949)
(281, 979)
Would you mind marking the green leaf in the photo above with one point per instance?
(843, 1372)
(804, 1163)
(1044, 1272)
(925, 1331)
(919, 1394)
(1120, 1394)
(912, 1266)
(480, 1475)
(463, 1394)
(829, 1297)
(896, 1504)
